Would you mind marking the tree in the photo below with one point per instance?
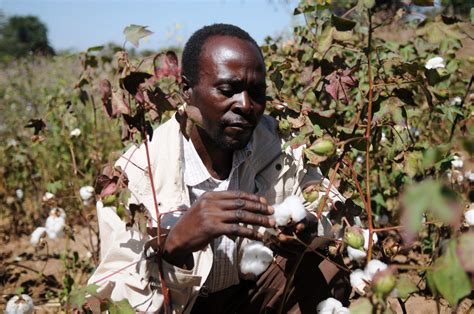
(21, 35)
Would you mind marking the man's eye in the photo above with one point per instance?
(227, 91)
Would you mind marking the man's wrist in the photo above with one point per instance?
(176, 257)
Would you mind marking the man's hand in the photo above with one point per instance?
(212, 215)
(286, 245)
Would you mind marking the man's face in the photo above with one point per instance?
(230, 92)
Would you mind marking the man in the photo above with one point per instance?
(225, 176)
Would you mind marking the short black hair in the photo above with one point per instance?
(193, 48)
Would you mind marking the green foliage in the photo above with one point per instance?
(21, 35)
(448, 276)
(133, 33)
(120, 307)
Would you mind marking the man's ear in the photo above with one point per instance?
(186, 88)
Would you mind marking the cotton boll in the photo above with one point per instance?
(331, 306)
(434, 63)
(373, 267)
(86, 192)
(359, 280)
(256, 258)
(19, 193)
(366, 238)
(55, 223)
(36, 235)
(20, 304)
(355, 254)
(469, 216)
(290, 209)
(75, 133)
(457, 162)
(48, 196)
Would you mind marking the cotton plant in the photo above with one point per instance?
(357, 240)
(20, 304)
(256, 257)
(331, 306)
(457, 162)
(54, 226)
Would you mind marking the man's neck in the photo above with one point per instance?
(217, 161)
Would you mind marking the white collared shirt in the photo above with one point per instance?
(224, 272)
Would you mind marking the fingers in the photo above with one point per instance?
(236, 195)
(245, 205)
(247, 217)
(236, 230)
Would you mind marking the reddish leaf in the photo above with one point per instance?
(169, 66)
(132, 81)
(110, 181)
(340, 83)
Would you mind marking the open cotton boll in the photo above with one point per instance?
(256, 258)
(36, 235)
(366, 238)
(55, 223)
(331, 306)
(20, 304)
(355, 254)
(469, 216)
(373, 267)
(86, 192)
(48, 196)
(359, 280)
(291, 209)
(75, 133)
(435, 63)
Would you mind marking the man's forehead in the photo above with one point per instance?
(228, 46)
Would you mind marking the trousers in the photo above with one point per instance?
(315, 280)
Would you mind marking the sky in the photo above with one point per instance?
(80, 24)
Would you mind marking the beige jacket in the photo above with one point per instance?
(125, 272)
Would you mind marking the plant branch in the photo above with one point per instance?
(367, 135)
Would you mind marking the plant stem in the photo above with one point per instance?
(326, 195)
(367, 135)
(158, 229)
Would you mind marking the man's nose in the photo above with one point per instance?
(244, 103)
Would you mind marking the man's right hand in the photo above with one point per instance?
(212, 215)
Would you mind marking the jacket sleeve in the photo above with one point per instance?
(126, 271)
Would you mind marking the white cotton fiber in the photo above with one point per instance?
(355, 254)
(359, 280)
(290, 210)
(36, 235)
(55, 223)
(331, 306)
(256, 258)
(373, 267)
(366, 238)
(20, 304)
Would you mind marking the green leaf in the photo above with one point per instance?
(361, 306)
(421, 197)
(405, 287)
(120, 307)
(77, 297)
(95, 48)
(133, 33)
(449, 277)
(414, 163)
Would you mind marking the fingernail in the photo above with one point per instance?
(272, 222)
(271, 210)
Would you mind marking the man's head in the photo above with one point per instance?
(224, 77)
